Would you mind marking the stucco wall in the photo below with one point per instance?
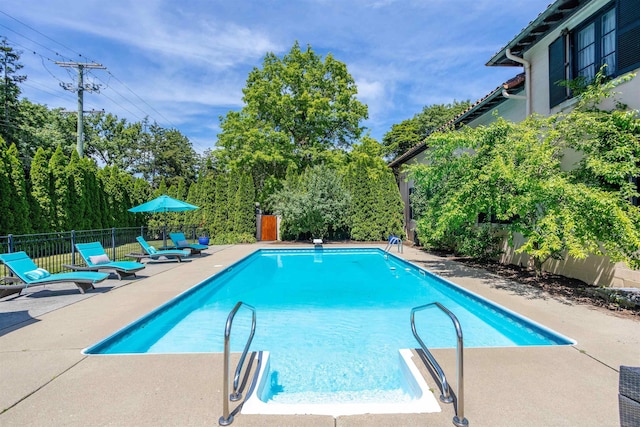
(513, 110)
(594, 269)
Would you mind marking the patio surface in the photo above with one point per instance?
(46, 381)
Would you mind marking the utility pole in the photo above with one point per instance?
(80, 88)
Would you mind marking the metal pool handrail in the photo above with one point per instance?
(226, 417)
(459, 419)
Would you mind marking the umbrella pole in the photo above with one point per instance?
(164, 236)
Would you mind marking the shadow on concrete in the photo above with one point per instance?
(50, 293)
(451, 270)
(12, 320)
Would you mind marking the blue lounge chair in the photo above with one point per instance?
(96, 259)
(153, 253)
(180, 242)
(26, 274)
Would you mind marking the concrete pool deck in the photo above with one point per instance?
(45, 380)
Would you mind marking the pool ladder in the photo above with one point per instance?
(458, 403)
(394, 241)
(227, 418)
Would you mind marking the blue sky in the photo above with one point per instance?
(185, 63)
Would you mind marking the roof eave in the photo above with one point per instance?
(546, 22)
(486, 103)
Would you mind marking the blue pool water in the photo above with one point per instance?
(332, 321)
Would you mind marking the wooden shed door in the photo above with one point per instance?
(269, 231)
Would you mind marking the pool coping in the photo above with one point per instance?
(52, 383)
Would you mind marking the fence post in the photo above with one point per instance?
(113, 242)
(10, 243)
(142, 231)
(73, 247)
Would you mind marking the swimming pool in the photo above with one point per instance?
(332, 320)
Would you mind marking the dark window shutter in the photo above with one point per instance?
(628, 29)
(557, 71)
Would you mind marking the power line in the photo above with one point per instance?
(145, 113)
(39, 87)
(124, 108)
(145, 102)
(111, 75)
(42, 34)
(31, 40)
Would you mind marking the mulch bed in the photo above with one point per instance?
(558, 286)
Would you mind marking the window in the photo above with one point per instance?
(594, 45)
(608, 41)
(586, 48)
(610, 36)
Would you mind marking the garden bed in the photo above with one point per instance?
(625, 302)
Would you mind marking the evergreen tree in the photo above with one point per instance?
(359, 186)
(221, 215)
(141, 194)
(391, 205)
(60, 193)
(376, 205)
(77, 208)
(181, 194)
(19, 199)
(232, 202)
(105, 201)
(92, 194)
(9, 92)
(6, 219)
(41, 192)
(245, 215)
(208, 202)
(125, 184)
(116, 185)
(193, 217)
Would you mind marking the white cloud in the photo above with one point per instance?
(189, 60)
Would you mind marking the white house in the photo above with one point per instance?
(571, 38)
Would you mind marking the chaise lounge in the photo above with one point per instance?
(26, 274)
(180, 242)
(155, 254)
(96, 259)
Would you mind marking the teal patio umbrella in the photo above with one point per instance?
(164, 204)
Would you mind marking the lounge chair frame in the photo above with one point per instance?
(147, 248)
(195, 248)
(121, 268)
(20, 281)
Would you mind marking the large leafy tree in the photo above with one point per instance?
(297, 109)
(44, 128)
(413, 131)
(164, 154)
(113, 141)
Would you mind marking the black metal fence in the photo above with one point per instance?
(52, 250)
